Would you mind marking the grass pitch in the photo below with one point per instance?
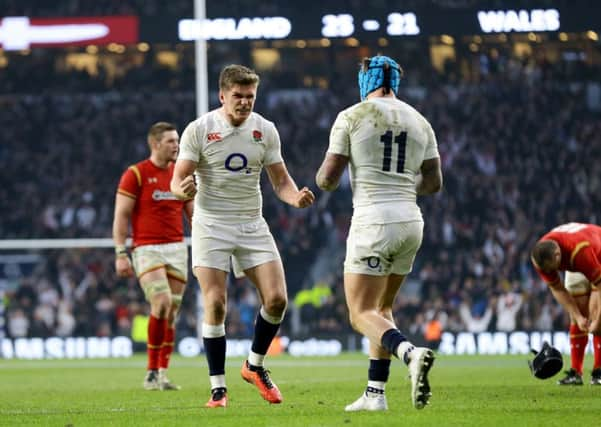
(467, 391)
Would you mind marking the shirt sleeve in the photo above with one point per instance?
(130, 182)
(340, 141)
(273, 154)
(190, 147)
(432, 145)
(587, 263)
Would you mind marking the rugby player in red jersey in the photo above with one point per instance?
(159, 255)
(575, 248)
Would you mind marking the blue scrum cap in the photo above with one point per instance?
(379, 71)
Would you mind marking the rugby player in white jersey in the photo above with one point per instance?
(393, 157)
(221, 157)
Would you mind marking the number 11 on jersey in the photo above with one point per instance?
(387, 140)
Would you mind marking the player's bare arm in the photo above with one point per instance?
(569, 304)
(330, 171)
(124, 206)
(285, 187)
(182, 184)
(429, 181)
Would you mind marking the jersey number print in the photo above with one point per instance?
(387, 140)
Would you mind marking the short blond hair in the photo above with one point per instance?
(235, 74)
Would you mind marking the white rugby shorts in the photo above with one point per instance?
(576, 283)
(383, 249)
(172, 256)
(213, 243)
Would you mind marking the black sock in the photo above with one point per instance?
(379, 369)
(264, 334)
(391, 340)
(215, 351)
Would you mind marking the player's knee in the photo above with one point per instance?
(161, 304)
(158, 294)
(215, 304)
(214, 296)
(276, 306)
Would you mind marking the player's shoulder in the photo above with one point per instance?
(200, 128)
(137, 170)
(143, 167)
(198, 122)
(261, 126)
(256, 119)
(209, 119)
(411, 110)
(357, 107)
(139, 167)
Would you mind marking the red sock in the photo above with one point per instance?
(597, 351)
(578, 342)
(167, 347)
(156, 333)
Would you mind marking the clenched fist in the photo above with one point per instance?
(188, 186)
(304, 198)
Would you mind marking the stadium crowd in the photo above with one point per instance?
(518, 140)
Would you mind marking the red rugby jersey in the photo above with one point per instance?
(580, 246)
(157, 215)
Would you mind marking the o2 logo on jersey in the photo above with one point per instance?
(237, 162)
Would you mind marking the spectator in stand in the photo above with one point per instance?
(508, 306)
(473, 319)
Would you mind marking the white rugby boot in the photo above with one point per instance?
(421, 360)
(368, 402)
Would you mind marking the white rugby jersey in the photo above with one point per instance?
(387, 140)
(229, 163)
